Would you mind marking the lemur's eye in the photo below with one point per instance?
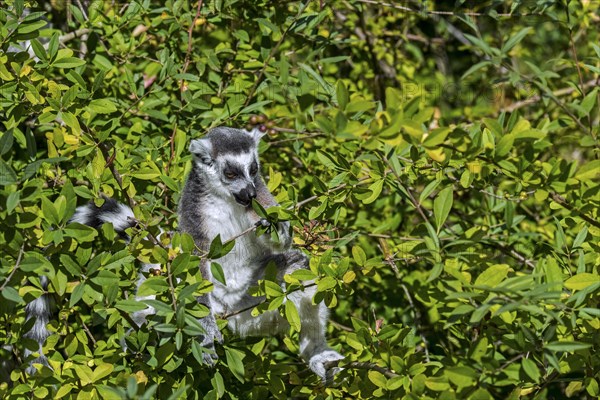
(253, 169)
(230, 175)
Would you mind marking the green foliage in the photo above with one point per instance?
(440, 168)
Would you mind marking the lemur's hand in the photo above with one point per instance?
(275, 235)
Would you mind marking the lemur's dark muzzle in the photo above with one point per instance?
(245, 196)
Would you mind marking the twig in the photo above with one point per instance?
(19, 257)
(448, 13)
(516, 255)
(417, 317)
(341, 326)
(308, 136)
(110, 163)
(557, 93)
(572, 42)
(70, 36)
(86, 329)
(563, 203)
(414, 201)
(264, 301)
(335, 189)
(370, 366)
(82, 10)
(171, 286)
(189, 46)
(274, 50)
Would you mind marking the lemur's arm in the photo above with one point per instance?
(266, 199)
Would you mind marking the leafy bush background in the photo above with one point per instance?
(439, 163)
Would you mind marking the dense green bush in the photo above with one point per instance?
(439, 165)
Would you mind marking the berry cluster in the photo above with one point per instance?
(263, 123)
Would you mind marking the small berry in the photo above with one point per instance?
(249, 127)
(261, 119)
(254, 120)
(270, 124)
(523, 195)
(262, 128)
(272, 132)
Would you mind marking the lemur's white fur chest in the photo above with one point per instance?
(239, 265)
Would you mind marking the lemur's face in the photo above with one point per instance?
(237, 174)
(228, 160)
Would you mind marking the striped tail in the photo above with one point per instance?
(40, 309)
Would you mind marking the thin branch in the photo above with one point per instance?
(335, 189)
(19, 258)
(574, 51)
(70, 36)
(226, 316)
(563, 203)
(274, 50)
(557, 93)
(110, 163)
(307, 136)
(87, 330)
(189, 46)
(370, 366)
(447, 13)
(417, 318)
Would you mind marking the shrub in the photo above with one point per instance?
(439, 165)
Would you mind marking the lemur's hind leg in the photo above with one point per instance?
(313, 319)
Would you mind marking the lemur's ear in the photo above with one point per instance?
(202, 150)
(256, 134)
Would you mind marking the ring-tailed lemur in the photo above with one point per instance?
(216, 200)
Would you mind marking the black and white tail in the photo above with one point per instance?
(40, 309)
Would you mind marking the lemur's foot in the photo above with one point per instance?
(324, 364)
(32, 370)
(210, 357)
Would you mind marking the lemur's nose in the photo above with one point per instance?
(251, 191)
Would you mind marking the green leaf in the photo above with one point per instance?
(130, 306)
(11, 294)
(442, 206)
(291, 314)
(342, 94)
(375, 189)
(476, 68)
(102, 106)
(50, 213)
(359, 255)
(377, 378)
(68, 62)
(567, 346)
(581, 281)
(436, 137)
(235, 363)
(531, 369)
(77, 294)
(303, 275)
(82, 233)
(516, 39)
(217, 272)
(504, 145)
(102, 371)
(153, 285)
(590, 170)
(31, 26)
(493, 275)
(461, 376)
(6, 142)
